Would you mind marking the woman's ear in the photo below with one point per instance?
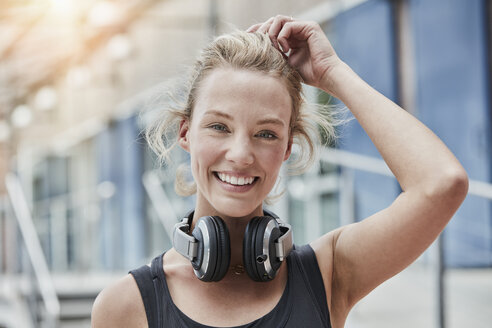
(184, 128)
(288, 151)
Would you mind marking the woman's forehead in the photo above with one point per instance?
(235, 91)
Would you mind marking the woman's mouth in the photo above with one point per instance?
(234, 180)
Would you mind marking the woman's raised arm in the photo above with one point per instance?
(356, 258)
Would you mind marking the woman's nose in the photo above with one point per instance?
(240, 151)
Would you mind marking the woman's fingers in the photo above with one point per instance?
(254, 28)
(260, 27)
(293, 30)
(266, 25)
(272, 27)
(277, 25)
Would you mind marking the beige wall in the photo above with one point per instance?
(245, 13)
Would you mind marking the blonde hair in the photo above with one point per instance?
(309, 124)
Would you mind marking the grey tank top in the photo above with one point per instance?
(303, 302)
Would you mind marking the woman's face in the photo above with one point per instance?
(237, 138)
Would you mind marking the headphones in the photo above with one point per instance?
(267, 242)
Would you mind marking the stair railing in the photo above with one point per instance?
(27, 228)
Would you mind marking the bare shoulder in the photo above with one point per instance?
(119, 305)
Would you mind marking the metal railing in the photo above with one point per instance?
(33, 246)
(160, 201)
(378, 166)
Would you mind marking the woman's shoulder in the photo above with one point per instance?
(119, 305)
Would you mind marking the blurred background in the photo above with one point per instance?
(83, 200)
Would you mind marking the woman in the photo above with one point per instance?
(242, 116)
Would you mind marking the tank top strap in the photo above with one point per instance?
(152, 284)
(158, 283)
(145, 279)
(308, 267)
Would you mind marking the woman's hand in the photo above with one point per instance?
(310, 51)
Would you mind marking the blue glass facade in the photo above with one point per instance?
(363, 38)
(453, 100)
(120, 162)
(452, 97)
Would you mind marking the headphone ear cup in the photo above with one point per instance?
(249, 251)
(204, 262)
(223, 249)
(211, 231)
(261, 230)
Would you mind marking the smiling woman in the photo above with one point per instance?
(239, 129)
(244, 111)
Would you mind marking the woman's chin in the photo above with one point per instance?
(234, 210)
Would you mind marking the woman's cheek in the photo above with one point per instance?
(275, 153)
(207, 151)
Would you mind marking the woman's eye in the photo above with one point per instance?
(218, 127)
(267, 135)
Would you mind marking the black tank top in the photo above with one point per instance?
(303, 302)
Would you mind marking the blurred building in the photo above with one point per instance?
(79, 80)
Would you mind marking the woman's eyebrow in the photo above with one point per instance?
(268, 120)
(218, 113)
(272, 120)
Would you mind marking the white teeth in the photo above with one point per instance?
(241, 181)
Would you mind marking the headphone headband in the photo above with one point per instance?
(183, 243)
